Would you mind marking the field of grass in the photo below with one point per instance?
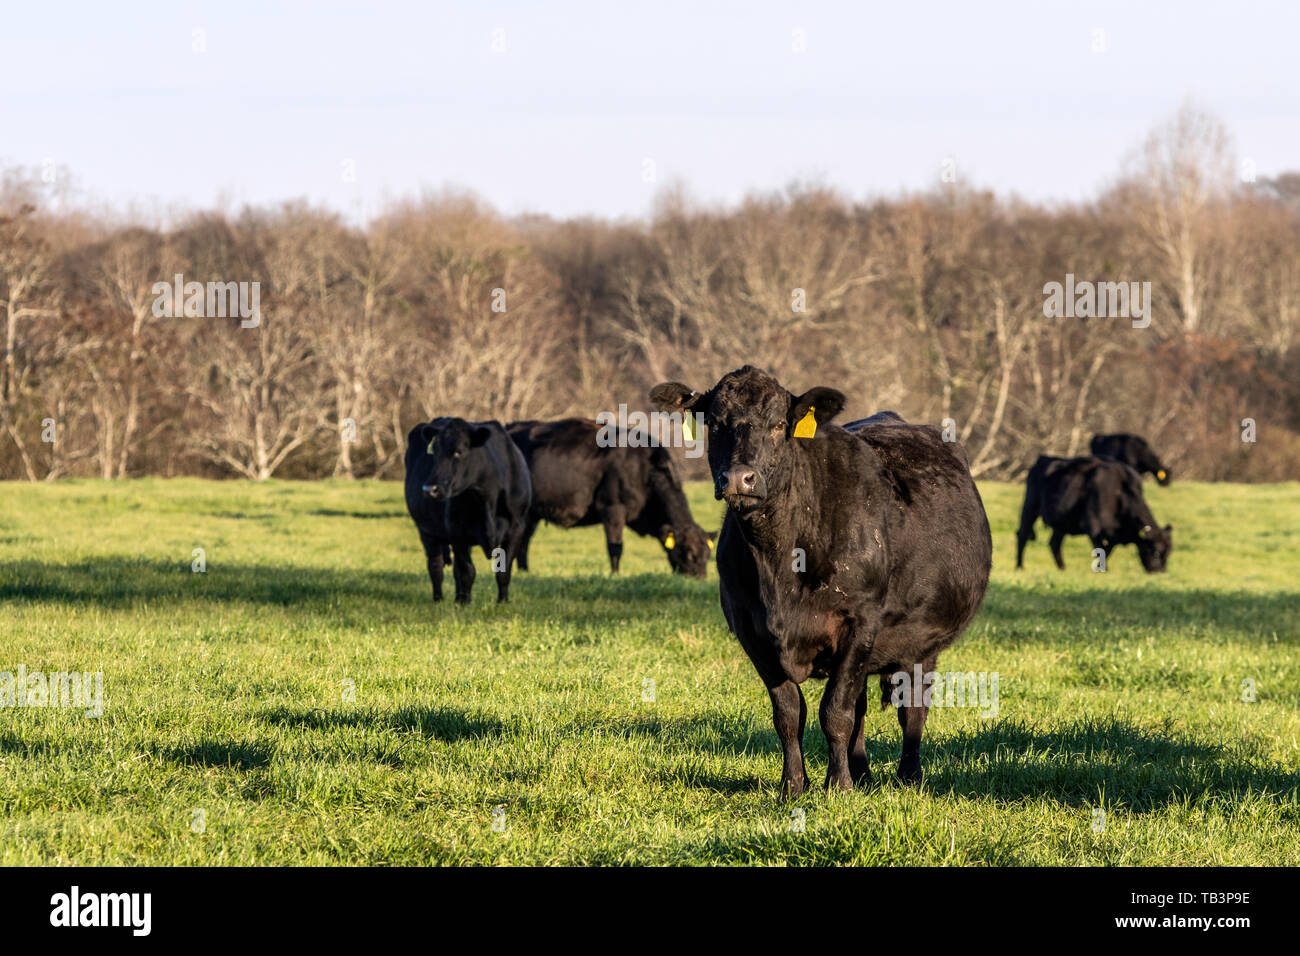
(522, 734)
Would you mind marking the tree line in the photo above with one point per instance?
(928, 303)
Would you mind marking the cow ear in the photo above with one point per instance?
(676, 397)
(824, 403)
(479, 436)
(1169, 529)
(420, 434)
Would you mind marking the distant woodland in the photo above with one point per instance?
(930, 304)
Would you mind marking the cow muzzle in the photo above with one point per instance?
(741, 485)
(433, 491)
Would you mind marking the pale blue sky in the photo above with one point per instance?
(562, 120)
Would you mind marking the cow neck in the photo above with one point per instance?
(485, 474)
(1145, 517)
(671, 500)
(773, 531)
(495, 459)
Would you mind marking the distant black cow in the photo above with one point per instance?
(1099, 497)
(467, 485)
(857, 551)
(577, 482)
(1132, 450)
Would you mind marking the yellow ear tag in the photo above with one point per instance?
(807, 426)
(670, 542)
(710, 544)
(1160, 475)
(432, 441)
(688, 426)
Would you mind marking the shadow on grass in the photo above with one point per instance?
(1138, 769)
(1014, 607)
(122, 581)
(1135, 768)
(238, 755)
(604, 599)
(335, 513)
(441, 723)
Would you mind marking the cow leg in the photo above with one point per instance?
(511, 542)
(1100, 541)
(844, 694)
(1028, 515)
(859, 766)
(789, 715)
(1023, 537)
(435, 553)
(912, 720)
(615, 519)
(503, 581)
(1055, 545)
(462, 570)
(530, 528)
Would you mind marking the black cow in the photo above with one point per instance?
(576, 483)
(1132, 450)
(466, 485)
(860, 550)
(1099, 497)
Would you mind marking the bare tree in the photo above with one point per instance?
(1183, 170)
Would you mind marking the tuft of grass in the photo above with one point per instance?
(303, 701)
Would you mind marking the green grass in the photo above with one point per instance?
(225, 693)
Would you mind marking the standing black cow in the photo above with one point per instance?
(576, 482)
(1134, 451)
(467, 485)
(857, 551)
(1099, 497)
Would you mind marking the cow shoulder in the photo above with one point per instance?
(912, 456)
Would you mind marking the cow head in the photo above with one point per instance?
(1147, 460)
(688, 549)
(752, 422)
(445, 451)
(1154, 546)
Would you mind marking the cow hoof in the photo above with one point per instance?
(909, 776)
(793, 788)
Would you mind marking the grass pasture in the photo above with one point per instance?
(227, 739)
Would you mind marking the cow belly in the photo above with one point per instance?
(806, 640)
(566, 514)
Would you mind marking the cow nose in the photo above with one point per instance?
(431, 490)
(741, 480)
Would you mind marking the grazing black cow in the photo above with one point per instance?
(1134, 451)
(1099, 497)
(467, 485)
(577, 482)
(856, 551)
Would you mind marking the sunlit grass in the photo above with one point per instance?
(226, 694)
